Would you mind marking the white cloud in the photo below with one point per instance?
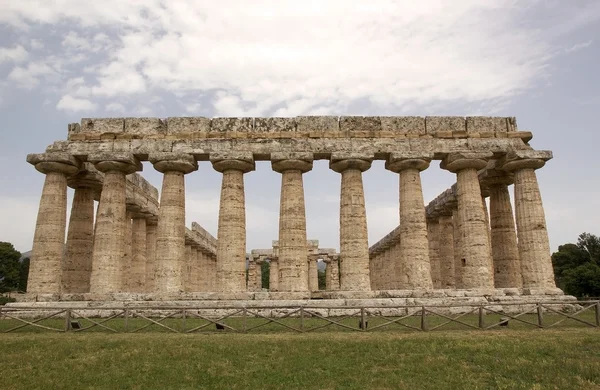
(69, 103)
(578, 46)
(29, 77)
(13, 54)
(36, 44)
(294, 57)
(115, 107)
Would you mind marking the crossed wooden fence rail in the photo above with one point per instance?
(70, 317)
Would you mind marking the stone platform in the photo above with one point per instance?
(325, 303)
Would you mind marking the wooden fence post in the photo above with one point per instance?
(68, 320)
(481, 323)
(302, 318)
(540, 316)
(183, 316)
(597, 313)
(423, 321)
(363, 321)
(244, 316)
(126, 320)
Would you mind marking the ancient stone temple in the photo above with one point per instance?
(137, 245)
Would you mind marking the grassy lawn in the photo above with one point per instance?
(506, 359)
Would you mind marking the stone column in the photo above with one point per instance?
(334, 273)
(77, 265)
(414, 246)
(127, 254)
(484, 194)
(532, 234)
(274, 275)
(203, 270)
(354, 244)
(170, 231)
(231, 245)
(251, 275)
(150, 253)
(259, 263)
(49, 237)
(111, 221)
(446, 251)
(313, 273)
(137, 282)
(395, 275)
(212, 273)
(475, 250)
(507, 266)
(457, 237)
(186, 270)
(433, 235)
(293, 269)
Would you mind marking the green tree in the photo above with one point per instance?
(577, 266)
(9, 267)
(24, 274)
(322, 284)
(265, 267)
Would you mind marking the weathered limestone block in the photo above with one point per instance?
(354, 246)
(183, 125)
(142, 127)
(292, 251)
(49, 236)
(360, 124)
(274, 125)
(170, 231)
(231, 251)
(482, 124)
(532, 234)
(77, 265)
(317, 124)
(414, 246)
(414, 125)
(445, 124)
(111, 223)
(475, 249)
(230, 125)
(103, 125)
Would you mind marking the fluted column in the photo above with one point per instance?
(446, 251)
(484, 194)
(532, 234)
(111, 220)
(139, 252)
(396, 277)
(458, 257)
(414, 246)
(433, 236)
(170, 231)
(293, 268)
(313, 273)
(186, 271)
(475, 249)
(49, 236)
(507, 266)
(77, 265)
(274, 275)
(127, 254)
(334, 273)
(251, 275)
(259, 263)
(213, 282)
(231, 244)
(354, 244)
(150, 254)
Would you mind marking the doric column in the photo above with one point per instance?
(77, 264)
(446, 250)
(475, 249)
(111, 221)
(395, 277)
(293, 269)
(213, 282)
(532, 234)
(139, 249)
(313, 273)
(433, 236)
(49, 237)
(332, 273)
(251, 275)
(127, 253)
(484, 194)
(354, 244)
(414, 246)
(170, 231)
(457, 238)
(259, 263)
(507, 268)
(274, 274)
(231, 244)
(150, 253)
(186, 270)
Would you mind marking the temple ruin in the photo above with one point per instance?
(138, 247)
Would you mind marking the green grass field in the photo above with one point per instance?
(564, 358)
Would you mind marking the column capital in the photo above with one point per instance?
(495, 178)
(524, 159)
(397, 162)
(455, 162)
(281, 162)
(239, 161)
(173, 162)
(122, 162)
(55, 162)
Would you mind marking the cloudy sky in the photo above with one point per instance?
(537, 60)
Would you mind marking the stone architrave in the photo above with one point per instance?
(532, 234)
(433, 235)
(414, 245)
(292, 253)
(446, 251)
(170, 231)
(231, 244)
(507, 267)
(150, 254)
(49, 236)
(111, 221)
(475, 249)
(354, 245)
(77, 265)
